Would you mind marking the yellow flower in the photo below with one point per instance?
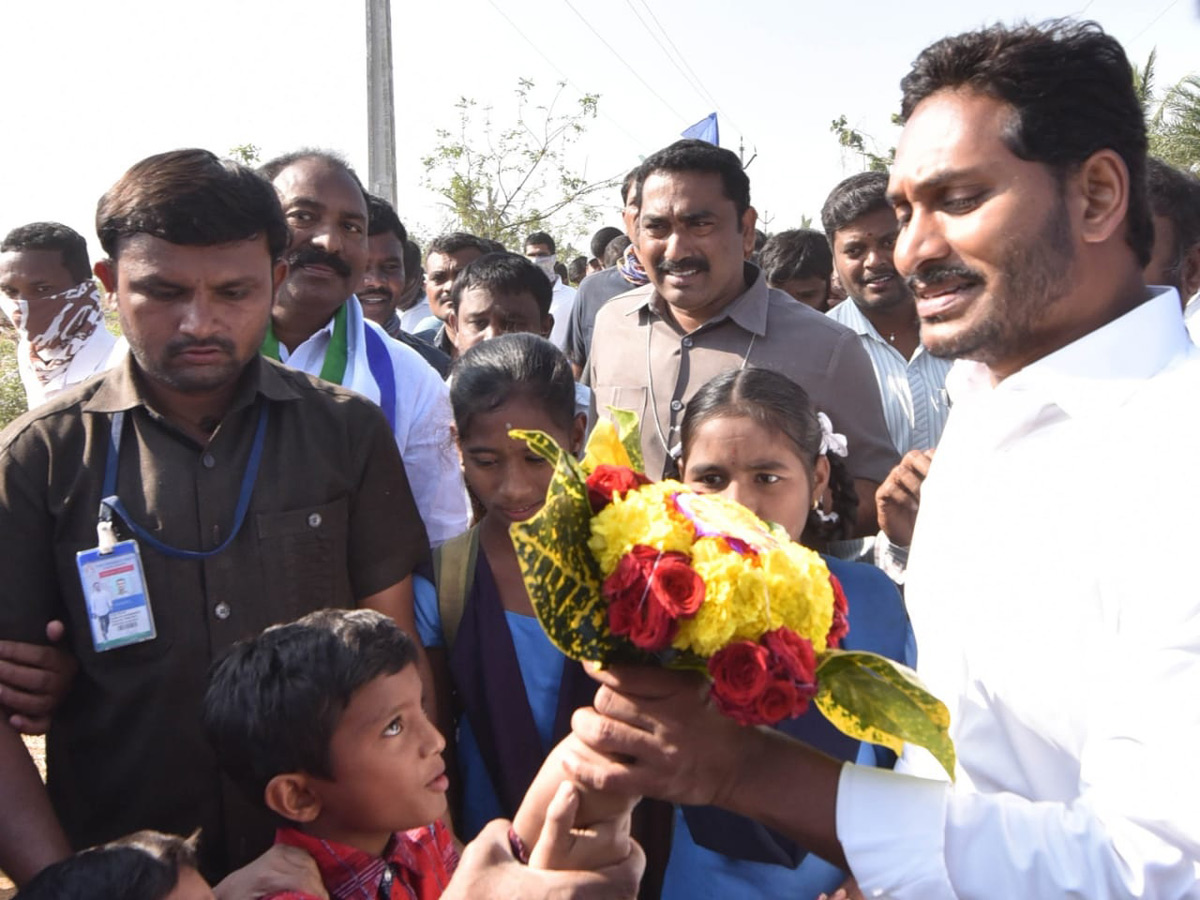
(645, 516)
(747, 596)
(604, 447)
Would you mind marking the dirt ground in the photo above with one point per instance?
(37, 749)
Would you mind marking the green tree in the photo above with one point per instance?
(501, 181)
(12, 391)
(246, 154)
(1172, 117)
(863, 144)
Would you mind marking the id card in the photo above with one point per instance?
(115, 592)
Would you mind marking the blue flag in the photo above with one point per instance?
(704, 130)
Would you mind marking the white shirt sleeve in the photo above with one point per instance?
(425, 439)
(1132, 826)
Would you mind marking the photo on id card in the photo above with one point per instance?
(115, 593)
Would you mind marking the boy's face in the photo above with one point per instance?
(388, 773)
(484, 313)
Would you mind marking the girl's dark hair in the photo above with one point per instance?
(512, 365)
(778, 404)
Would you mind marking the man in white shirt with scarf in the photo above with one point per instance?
(47, 292)
(317, 326)
(1064, 642)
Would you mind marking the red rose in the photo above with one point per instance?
(792, 656)
(676, 586)
(645, 623)
(841, 625)
(739, 672)
(633, 609)
(779, 700)
(607, 481)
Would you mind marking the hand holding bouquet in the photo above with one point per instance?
(621, 569)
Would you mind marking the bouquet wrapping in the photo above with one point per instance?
(624, 570)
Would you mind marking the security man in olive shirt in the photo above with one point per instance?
(254, 494)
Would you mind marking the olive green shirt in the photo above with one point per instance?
(331, 521)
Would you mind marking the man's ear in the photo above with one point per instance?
(279, 273)
(291, 796)
(106, 271)
(749, 220)
(451, 323)
(1103, 191)
(547, 325)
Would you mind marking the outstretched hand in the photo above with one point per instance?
(654, 732)
(489, 869)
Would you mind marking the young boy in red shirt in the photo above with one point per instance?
(322, 721)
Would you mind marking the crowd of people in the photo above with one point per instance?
(263, 600)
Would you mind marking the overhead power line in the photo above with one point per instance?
(707, 92)
(697, 86)
(624, 62)
(638, 142)
(1166, 9)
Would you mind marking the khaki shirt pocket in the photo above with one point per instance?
(631, 398)
(304, 559)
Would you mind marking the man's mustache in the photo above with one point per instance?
(183, 344)
(381, 291)
(311, 256)
(673, 267)
(932, 275)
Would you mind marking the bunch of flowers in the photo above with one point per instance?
(622, 569)
(697, 578)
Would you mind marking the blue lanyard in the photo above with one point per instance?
(112, 504)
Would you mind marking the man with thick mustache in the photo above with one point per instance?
(1064, 643)
(317, 326)
(707, 310)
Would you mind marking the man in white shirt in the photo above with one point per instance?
(317, 326)
(1066, 647)
(861, 228)
(47, 292)
(540, 250)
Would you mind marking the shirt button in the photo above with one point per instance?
(677, 405)
(687, 342)
(314, 521)
(208, 460)
(222, 610)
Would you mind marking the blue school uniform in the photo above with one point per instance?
(748, 861)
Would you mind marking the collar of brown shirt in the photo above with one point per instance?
(123, 388)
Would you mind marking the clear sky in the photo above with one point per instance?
(91, 87)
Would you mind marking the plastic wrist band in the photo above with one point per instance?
(520, 851)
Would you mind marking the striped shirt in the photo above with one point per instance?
(915, 404)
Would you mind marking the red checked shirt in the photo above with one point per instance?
(415, 865)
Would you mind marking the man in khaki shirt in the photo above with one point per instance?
(706, 310)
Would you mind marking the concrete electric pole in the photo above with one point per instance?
(381, 113)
